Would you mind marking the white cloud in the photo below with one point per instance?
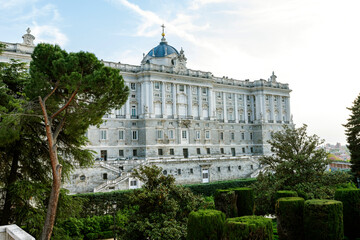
(8, 4)
(49, 34)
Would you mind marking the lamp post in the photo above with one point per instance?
(114, 208)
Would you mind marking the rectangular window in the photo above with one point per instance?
(157, 85)
(233, 153)
(133, 86)
(171, 151)
(222, 150)
(198, 151)
(105, 176)
(229, 95)
(208, 151)
(197, 134)
(133, 96)
(232, 136)
(181, 88)
(121, 153)
(160, 152)
(229, 168)
(133, 124)
(251, 149)
(184, 134)
(204, 91)
(121, 135)
(207, 134)
(251, 136)
(133, 111)
(103, 134)
(103, 155)
(221, 136)
(134, 152)
(171, 134)
(191, 171)
(179, 171)
(218, 169)
(134, 135)
(159, 134)
(242, 136)
(133, 183)
(243, 150)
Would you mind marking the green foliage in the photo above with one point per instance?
(248, 228)
(205, 224)
(245, 201)
(209, 189)
(351, 204)
(353, 136)
(225, 201)
(323, 219)
(298, 164)
(289, 214)
(285, 193)
(162, 207)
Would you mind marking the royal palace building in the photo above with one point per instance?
(195, 126)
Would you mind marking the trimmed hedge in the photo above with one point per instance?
(323, 219)
(248, 228)
(289, 216)
(209, 189)
(351, 203)
(245, 201)
(225, 201)
(285, 193)
(205, 224)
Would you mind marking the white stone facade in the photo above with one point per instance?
(197, 127)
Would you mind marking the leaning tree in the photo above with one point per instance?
(74, 91)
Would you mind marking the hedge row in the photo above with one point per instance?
(209, 189)
(97, 204)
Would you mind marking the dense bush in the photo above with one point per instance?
(209, 189)
(289, 215)
(245, 201)
(225, 201)
(323, 219)
(351, 204)
(248, 228)
(285, 193)
(205, 224)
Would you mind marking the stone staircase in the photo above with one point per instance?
(109, 185)
(109, 167)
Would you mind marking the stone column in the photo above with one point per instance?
(252, 108)
(189, 100)
(151, 101)
(211, 103)
(224, 106)
(280, 109)
(288, 113)
(127, 105)
(245, 108)
(174, 100)
(272, 110)
(163, 100)
(200, 103)
(236, 108)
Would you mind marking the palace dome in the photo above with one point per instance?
(162, 50)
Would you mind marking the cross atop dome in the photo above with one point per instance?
(163, 33)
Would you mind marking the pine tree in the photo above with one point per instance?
(353, 136)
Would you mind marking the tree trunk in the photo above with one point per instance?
(11, 179)
(56, 172)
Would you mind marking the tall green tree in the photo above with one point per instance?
(353, 136)
(74, 91)
(297, 163)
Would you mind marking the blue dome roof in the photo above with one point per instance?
(162, 50)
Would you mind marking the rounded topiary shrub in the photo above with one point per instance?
(323, 219)
(289, 217)
(245, 201)
(248, 228)
(205, 224)
(225, 201)
(285, 193)
(351, 212)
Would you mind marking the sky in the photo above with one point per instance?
(313, 45)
